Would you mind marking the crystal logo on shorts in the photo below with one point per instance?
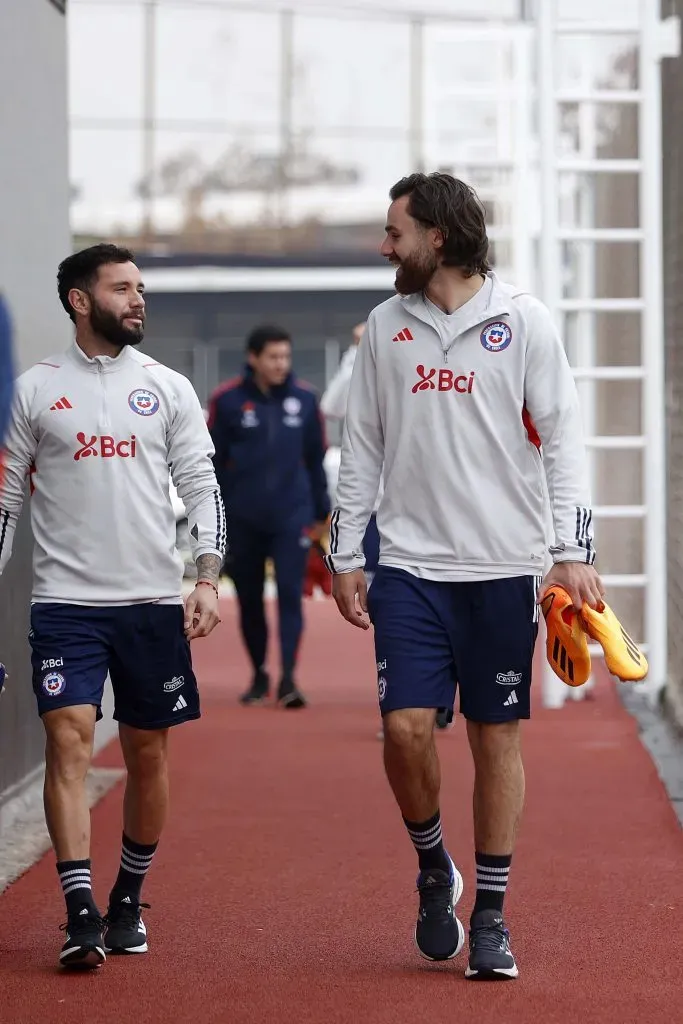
(509, 678)
(382, 687)
(443, 380)
(143, 402)
(495, 337)
(54, 684)
(174, 684)
(105, 446)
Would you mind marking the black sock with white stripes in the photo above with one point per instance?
(76, 885)
(428, 842)
(136, 860)
(492, 880)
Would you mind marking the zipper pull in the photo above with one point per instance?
(445, 356)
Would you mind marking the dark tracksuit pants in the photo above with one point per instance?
(248, 549)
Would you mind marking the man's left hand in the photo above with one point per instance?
(201, 612)
(581, 582)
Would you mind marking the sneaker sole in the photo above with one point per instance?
(458, 886)
(124, 950)
(82, 959)
(494, 974)
(293, 703)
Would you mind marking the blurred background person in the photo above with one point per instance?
(270, 448)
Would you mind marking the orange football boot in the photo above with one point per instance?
(566, 644)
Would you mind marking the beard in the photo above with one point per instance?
(112, 328)
(415, 272)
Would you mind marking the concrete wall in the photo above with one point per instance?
(672, 101)
(34, 237)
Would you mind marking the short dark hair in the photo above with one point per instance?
(260, 336)
(80, 269)
(441, 201)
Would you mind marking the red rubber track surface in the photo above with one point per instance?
(283, 890)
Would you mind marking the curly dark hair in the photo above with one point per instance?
(441, 201)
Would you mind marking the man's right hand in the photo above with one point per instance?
(350, 591)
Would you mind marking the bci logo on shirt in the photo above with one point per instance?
(443, 380)
(105, 446)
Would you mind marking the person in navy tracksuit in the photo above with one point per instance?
(270, 445)
(6, 392)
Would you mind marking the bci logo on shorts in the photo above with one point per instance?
(52, 663)
(174, 684)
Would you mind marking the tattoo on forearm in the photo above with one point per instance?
(209, 567)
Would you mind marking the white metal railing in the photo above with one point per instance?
(654, 40)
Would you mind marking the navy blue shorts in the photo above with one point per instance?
(143, 648)
(433, 638)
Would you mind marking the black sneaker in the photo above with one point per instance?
(490, 953)
(258, 691)
(125, 930)
(84, 945)
(439, 935)
(288, 696)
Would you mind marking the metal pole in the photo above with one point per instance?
(416, 96)
(652, 280)
(149, 72)
(585, 348)
(554, 690)
(522, 215)
(286, 103)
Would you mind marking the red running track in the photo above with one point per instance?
(283, 890)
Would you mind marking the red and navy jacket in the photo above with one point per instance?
(269, 453)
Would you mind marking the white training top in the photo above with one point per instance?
(464, 412)
(100, 440)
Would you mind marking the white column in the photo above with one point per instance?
(584, 350)
(523, 215)
(554, 690)
(651, 276)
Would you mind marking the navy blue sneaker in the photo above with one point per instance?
(439, 935)
(125, 930)
(83, 945)
(490, 953)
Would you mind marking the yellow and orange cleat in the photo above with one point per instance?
(623, 657)
(566, 644)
